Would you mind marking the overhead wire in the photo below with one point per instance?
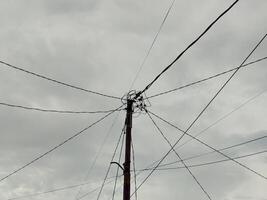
(92, 165)
(188, 47)
(161, 167)
(205, 79)
(118, 168)
(206, 163)
(221, 149)
(153, 42)
(200, 114)
(112, 158)
(220, 119)
(57, 146)
(225, 116)
(134, 169)
(56, 81)
(179, 157)
(56, 111)
(209, 146)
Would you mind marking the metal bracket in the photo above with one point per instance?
(118, 165)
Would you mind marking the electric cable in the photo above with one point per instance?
(117, 171)
(209, 146)
(153, 42)
(97, 154)
(188, 47)
(222, 118)
(206, 163)
(57, 146)
(134, 169)
(61, 189)
(56, 81)
(113, 156)
(56, 111)
(225, 116)
(200, 114)
(179, 157)
(222, 149)
(205, 79)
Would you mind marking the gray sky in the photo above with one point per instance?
(100, 45)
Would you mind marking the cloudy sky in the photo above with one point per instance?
(99, 46)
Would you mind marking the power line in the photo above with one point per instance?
(153, 42)
(222, 149)
(92, 165)
(134, 169)
(56, 81)
(200, 114)
(179, 157)
(118, 168)
(205, 79)
(113, 156)
(224, 116)
(57, 146)
(207, 163)
(200, 141)
(56, 111)
(49, 191)
(188, 47)
(161, 167)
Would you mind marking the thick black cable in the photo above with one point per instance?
(188, 47)
(206, 163)
(92, 165)
(153, 42)
(206, 79)
(199, 115)
(56, 81)
(57, 146)
(222, 149)
(179, 157)
(207, 145)
(118, 168)
(56, 111)
(113, 156)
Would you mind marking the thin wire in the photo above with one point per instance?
(97, 154)
(117, 171)
(56, 81)
(161, 168)
(205, 79)
(153, 42)
(199, 115)
(179, 157)
(57, 146)
(134, 169)
(188, 47)
(56, 111)
(222, 149)
(224, 117)
(86, 194)
(207, 163)
(220, 119)
(114, 153)
(200, 141)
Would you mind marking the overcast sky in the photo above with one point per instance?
(99, 45)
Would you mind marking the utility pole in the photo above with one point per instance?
(127, 163)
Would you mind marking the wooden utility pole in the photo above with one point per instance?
(127, 163)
